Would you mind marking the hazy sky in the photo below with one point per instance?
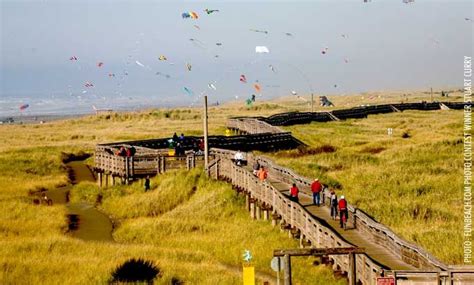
(387, 45)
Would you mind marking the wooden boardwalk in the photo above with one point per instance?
(377, 252)
(385, 252)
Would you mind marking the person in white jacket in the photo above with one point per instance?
(239, 158)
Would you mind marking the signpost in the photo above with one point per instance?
(276, 266)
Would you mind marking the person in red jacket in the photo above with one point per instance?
(316, 188)
(343, 211)
(294, 193)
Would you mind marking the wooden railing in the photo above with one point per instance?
(143, 164)
(298, 217)
(252, 126)
(292, 118)
(292, 214)
(261, 141)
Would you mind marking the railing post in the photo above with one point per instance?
(132, 162)
(127, 169)
(352, 269)
(258, 211)
(99, 179)
(252, 208)
(158, 164)
(247, 202)
(163, 164)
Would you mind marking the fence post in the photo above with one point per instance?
(132, 162)
(247, 201)
(99, 179)
(252, 208)
(287, 269)
(352, 269)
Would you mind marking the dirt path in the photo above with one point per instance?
(85, 221)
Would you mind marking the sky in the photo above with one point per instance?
(381, 45)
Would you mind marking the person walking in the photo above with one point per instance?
(147, 183)
(334, 204)
(294, 191)
(238, 158)
(316, 188)
(343, 211)
(262, 174)
(255, 167)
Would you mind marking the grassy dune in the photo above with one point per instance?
(413, 185)
(198, 234)
(193, 234)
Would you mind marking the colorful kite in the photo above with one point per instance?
(188, 91)
(163, 74)
(259, 31)
(24, 107)
(257, 87)
(249, 102)
(192, 15)
(261, 49)
(243, 79)
(209, 11)
(162, 57)
(211, 86)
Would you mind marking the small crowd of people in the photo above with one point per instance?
(126, 151)
(336, 206)
(178, 144)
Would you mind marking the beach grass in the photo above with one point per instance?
(410, 181)
(193, 229)
(196, 230)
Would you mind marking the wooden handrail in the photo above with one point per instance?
(359, 215)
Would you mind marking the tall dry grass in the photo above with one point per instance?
(196, 235)
(413, 185)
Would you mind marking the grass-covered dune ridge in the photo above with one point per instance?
(408, 184)
(410, 181)
(196, 234)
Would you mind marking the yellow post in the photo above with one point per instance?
(249, 274)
